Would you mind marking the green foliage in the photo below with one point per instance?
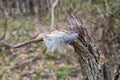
(65, 70)
(44, 75)
(46, 20)
(61, 74)
(1, 27)
(112, 61)
(50, 56)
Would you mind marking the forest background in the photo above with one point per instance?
(22, 20)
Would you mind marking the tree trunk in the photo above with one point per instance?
(31, 7)
(94, 65)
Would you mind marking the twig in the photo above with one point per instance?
(38, 39)
(52, 14)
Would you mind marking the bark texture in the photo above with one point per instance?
(93, 64)
(117, 70)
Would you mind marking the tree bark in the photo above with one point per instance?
(31, 7)
(117, 69)
(94, 65)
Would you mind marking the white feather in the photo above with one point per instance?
(58, 39)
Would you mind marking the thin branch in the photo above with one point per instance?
(52, 14)
(38, 39)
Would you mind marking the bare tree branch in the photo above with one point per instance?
(52, 14)
(38, 39)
